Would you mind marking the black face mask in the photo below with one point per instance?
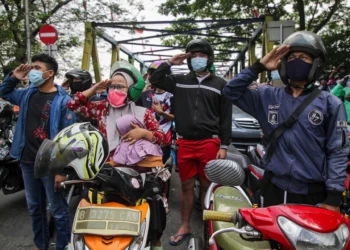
(76, 87)
(298, 70)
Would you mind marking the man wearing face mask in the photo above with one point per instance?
(203, 117)
(43, 113)
(306, 161)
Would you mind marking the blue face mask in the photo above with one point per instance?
(199, 64)
(36, 77)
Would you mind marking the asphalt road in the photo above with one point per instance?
(15, 222)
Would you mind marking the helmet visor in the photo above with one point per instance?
(53, 157)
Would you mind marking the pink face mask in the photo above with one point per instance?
(116, 98)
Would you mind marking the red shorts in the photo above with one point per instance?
(192, 156)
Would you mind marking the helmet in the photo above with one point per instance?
(308, 42)
(153, 67)
(342, 65)
(80, 146)
(200, 45)
(84, 83)
(136, 89)
(323, 77)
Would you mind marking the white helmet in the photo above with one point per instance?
(80, 146)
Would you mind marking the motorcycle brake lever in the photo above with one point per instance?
(253, 233)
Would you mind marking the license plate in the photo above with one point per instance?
(3, 153)
(106, 221)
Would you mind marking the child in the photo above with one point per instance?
(142, 153)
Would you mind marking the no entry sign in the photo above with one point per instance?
(48, 34)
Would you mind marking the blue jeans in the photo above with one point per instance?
(37, 190)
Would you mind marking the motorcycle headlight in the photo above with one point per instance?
(79, 243)
(136, 244)
(304, 239)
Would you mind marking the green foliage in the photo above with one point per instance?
(320, 16)
(68, 17)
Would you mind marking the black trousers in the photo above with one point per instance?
(166, 153)
(273, 195)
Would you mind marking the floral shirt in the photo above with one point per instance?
(99, 110)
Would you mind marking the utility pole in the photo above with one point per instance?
(26, 7)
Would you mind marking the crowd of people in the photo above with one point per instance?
(126, 111)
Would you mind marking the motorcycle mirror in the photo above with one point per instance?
(225, 172)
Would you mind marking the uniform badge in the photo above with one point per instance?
(273, 117)
(315, 117)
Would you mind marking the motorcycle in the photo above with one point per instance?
(131, 208)
(233, 222)
(249, 163)
(11, 180)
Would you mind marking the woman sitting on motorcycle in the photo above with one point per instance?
(124, 88)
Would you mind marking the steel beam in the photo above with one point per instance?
(238, 21)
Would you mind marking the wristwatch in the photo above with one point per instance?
(169, 63)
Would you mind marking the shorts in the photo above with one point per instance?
(192, 156)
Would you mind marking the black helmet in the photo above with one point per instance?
(200, 45)
(83, 75)
(342, 65)
(323, 77)
(308, 42)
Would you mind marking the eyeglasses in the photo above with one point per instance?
(117, 87)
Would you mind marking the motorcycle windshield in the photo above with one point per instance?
(53, 157)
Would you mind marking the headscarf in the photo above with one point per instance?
(113, 136)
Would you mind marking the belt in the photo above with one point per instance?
(197, 137)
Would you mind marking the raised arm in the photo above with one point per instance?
(237, 89)
(79, 103)
(8, 89)
(162, 77)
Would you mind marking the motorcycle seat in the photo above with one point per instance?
(240, 158)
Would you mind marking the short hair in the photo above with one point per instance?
(50, 62)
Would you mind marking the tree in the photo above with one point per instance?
(318, 16)
(67, 16)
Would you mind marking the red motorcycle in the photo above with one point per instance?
(290, 226)
(232, 222)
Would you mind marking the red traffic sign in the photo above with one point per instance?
(48, 34)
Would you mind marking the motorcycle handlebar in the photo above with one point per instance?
(71, 182)
(220, 216)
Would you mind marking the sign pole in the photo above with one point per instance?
(29, 59)
(281, 34)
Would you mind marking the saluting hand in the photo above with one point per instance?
(101, 86)
(21, 72)
(273, 59)
(179, 58)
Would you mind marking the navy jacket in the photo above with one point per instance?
(60, 116)
(313, 150)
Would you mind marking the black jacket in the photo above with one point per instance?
(201, 109)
